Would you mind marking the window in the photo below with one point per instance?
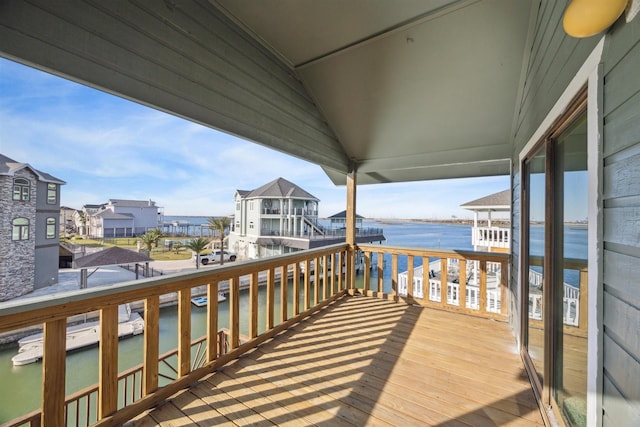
(20, 230)
(51, 228)
(52, 194)
(21, 189)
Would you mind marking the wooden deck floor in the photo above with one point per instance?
(364, 361)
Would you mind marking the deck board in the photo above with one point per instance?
(364, 361)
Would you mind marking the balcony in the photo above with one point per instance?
(491, 237)
(333, 350)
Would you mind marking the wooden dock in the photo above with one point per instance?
(365, 361)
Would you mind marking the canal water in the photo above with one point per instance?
(20, 386)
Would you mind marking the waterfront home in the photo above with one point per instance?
(279, 218)
(122, 218)
(485, 236)
(30, 215)
(375, 93)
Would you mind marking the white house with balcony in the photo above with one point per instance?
(280, 218)
(122, 218)
(277, 218)
(486, 235)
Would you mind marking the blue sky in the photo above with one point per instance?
(107, 147)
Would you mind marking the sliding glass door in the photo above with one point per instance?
(554, 273)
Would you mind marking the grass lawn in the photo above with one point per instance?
(157, 254)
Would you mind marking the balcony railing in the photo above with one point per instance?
(316, 282)
(476, 282)
(495, 237)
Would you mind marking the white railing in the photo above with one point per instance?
(495, 237)
(570, 305)
(472, 291)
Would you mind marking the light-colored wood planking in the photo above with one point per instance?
(54, 365)
(270, 298)
(151, 344)
(212, 321)
(184, 332)
(253, 308)
(108, 372)
(364, 361)
(234, 312)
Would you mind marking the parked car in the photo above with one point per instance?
(214, 256)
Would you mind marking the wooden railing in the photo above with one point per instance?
(318, 277)
(574, 299)
(476, 282)
(313, 288)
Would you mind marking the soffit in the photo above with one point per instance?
(413, 90)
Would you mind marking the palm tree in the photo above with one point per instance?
(148, 239)
(219, 225)
(198, 245)
(157, 235)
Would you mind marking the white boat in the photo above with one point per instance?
(202, 301)
(78, 336)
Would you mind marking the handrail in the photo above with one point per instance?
(53, 311)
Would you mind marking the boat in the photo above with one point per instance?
(202, 301)
(79, 336)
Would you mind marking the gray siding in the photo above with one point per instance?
(621, 215)
(555, 59)
(185, 58)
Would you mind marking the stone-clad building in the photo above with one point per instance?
(30, 215)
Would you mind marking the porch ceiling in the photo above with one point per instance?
(411, 90)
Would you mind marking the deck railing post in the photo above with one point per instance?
(367, 272)
(316, 281)
(108, 349)
(253, 305)
(234, 312)
(444, 280)
(270, 297)
(212, 322)
(583, 299)
(350, 223)
(394, 276)
(296, 288)
(483, 286)
(462, 282)
(410, 299)
(325, 277)
(184, 332)
(151, 344)
(284, 298)
(54, 359)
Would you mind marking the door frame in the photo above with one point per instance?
(590, 75)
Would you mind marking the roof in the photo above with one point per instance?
(111, 256)
(9, 167)
(279, 188)
(496, 201)
(133, 203)
(343, 214)
(109, 214)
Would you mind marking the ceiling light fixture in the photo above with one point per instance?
(585, 18)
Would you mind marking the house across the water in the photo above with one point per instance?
(280, 217)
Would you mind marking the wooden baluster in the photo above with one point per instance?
(184, 332)
(284, 298)
(325, 277)
(108, 350)
(212, 321)
(444, 280)
(394, 276)
(307, 284)
(483, 286)
(504, 280)
(334, 265)
(410, 299)
(54, 372)
(270, 297)
(380, 264)
(151, 344)
(367, 273)
(583, 300)
(234, 312)
(426, 286)
(462, 281)
(296, 288)
(316, 282)
(253, 306)
(341, 258)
